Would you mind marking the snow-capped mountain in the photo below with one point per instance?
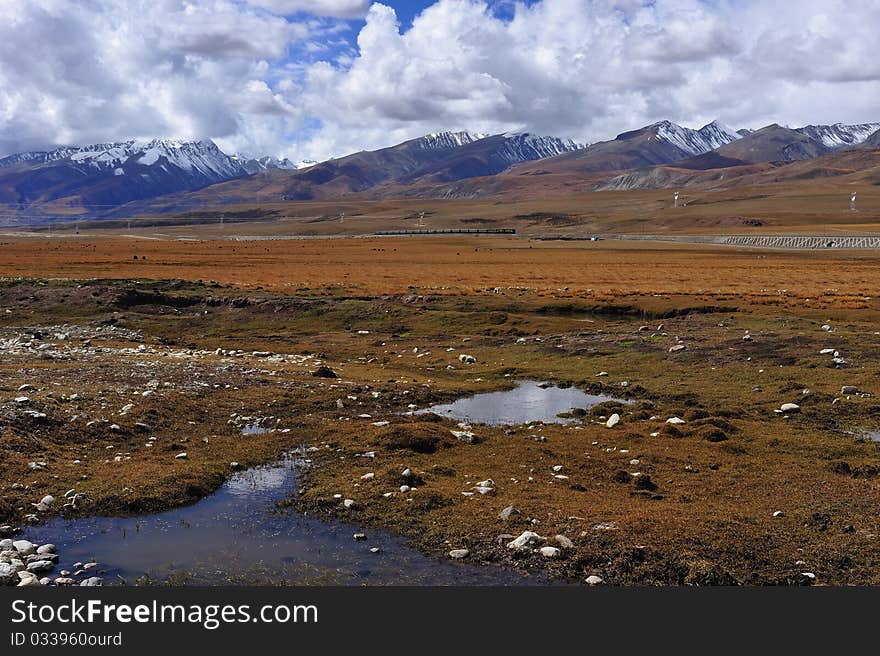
(37, 156)
(202, 158)
(696, 142)
(434, 158)
(100, 176)
(255, 165)
(446, 140)
(524, 147)
(840, 135)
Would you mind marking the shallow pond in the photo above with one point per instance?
(236, 535)
(530, 401)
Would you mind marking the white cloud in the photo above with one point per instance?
(243, 74)
(590, 69)
(333, 8)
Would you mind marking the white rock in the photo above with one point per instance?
(525, 540)
(564, 542)
(28, 579)
(459, 553)
(405, 488)
(613, 420)
(675, 420)
(348, 503)
(550, 552)
(8, 574)
(46, 549)
(40, 566)
(24, 547)
(790, 407)
(464, 436)
(369, 476)
(594, 580)
(778, 513)
(181, 456)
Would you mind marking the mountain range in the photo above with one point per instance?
(163, 175)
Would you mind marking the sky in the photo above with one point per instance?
(314, 79)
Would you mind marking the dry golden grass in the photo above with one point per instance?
(453, 265)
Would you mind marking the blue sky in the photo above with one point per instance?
(312, 79)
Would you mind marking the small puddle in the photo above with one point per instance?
(236, 536)
(530, 401)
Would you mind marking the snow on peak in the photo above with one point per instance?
(523, 146)
(449, 139)
(840, 135)
(695, 142)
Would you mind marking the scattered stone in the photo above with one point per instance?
(324, 372)
(467, 359)
(8, 574)
(508, 512)
(181, 456)
(675, 420)
(348, 503)
(24, 547)
(594, 580)
(46, 549)
(550, 552)
(368, 476)
(849, 389)
(778, 513)
(790, 408)
(359, 537)
(465, 436)
(564, 542)
(613, 420)
(28, 579)
(458, 554)
(40, 566)
(526, 540)
(91, 582)
(677, 348)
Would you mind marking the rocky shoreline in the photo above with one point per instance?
(23, 563)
